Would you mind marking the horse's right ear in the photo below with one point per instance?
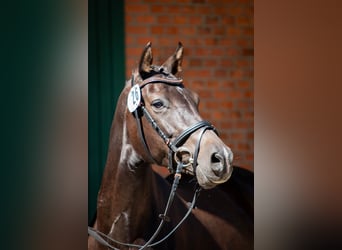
(174, 63)
(146, 61)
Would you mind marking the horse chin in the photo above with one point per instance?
(208, 181)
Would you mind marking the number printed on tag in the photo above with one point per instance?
(134, 98)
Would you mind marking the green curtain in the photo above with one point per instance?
(106, 79)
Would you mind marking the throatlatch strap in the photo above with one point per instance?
(142, 135)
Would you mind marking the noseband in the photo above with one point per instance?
(174, 145)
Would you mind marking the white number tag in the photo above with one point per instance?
(134, 98)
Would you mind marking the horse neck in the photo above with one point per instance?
(125, 194)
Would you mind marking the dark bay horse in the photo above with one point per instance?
(157, 122)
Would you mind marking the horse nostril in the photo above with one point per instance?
(216, 158)
(218, 164)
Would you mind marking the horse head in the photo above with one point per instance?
(172, 130)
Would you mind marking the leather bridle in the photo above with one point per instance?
(175, 147)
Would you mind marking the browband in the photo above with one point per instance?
(159, 79)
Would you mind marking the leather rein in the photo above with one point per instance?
(175, 149)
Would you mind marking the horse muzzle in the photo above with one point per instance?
(214, 168)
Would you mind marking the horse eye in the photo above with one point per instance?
(158, 104)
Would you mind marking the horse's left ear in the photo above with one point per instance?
(174, 63)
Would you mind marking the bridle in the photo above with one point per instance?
(162, 76)
(175, 152)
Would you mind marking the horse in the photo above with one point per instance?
(157, 121)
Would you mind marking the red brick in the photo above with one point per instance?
(243, 20)
(204, 30)
(135, 52)
(195, 20)
(233, 31)
(135, 29)
(235, 11)
(242, 42)
(163, 19)
(227, 105)
(220, 95)
(181, 19)
(145, 19)
(236, 136)
(204, 9)
(142, 40)
(180, 9)
(250, 136)
(250, 157)
(129, 19)
(220, 31)
(211, 41)
(197, 73)
(192, 42)
(243, 146)
(217, 51)
(218, 115)
(228, 20)
(249, 115)
(224, 136)
(195, 62)
(226, 125)
(212, 20)
(236, 114)
(210, 63)
(228, 84)
(158, 1)
(218, 58)
(155, 30)
(187, 31)
(173, 30)
(220, 73)
(242, 63)
(199, 51)
(158, 8)
(219, 10)
(248, 31)
(243, 84)
(248, 52)
(204, 94)
(139, 8)
(249, 94)
(213, 84)
(226, 41)
(243, 125)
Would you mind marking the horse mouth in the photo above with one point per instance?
(208, 181)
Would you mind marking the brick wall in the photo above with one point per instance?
(218, 58)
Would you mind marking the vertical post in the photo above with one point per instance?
(106, 77)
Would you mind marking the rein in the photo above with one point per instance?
(174, 150)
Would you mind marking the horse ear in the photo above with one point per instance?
(146, 60)
(174, 63)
